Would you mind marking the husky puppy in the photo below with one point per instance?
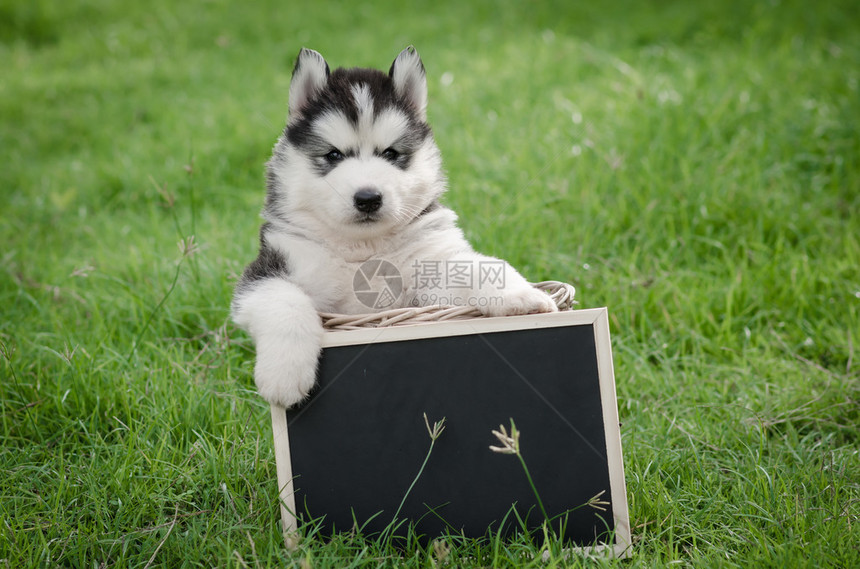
(353, 187)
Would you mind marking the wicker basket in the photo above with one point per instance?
(561, 293)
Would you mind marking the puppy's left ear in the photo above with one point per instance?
(410, 81)
(310, 75)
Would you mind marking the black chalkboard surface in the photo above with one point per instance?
(350, 453)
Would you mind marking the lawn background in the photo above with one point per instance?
(691, 165)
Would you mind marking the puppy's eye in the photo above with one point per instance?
(334, 156)
(390, 154)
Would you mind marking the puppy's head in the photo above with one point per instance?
(357, 157)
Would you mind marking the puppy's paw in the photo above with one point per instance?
(285, 374)
(287, 332)
(521, 300)
(285, 371)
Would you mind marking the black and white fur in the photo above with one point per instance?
(356, 175)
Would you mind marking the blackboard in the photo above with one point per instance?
(349, 454)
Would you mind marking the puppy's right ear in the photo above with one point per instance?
(310, 75)
(410, 81)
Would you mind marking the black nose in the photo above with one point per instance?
(367, 200)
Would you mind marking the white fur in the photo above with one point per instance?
(410, 80)
(364, 103)
(325, 204)
(372, 134)
(326, 268)
(314, 226)
(287, 332)
(309, 78)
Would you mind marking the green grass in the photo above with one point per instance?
(693, 166)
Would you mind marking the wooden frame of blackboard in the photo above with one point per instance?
(596, 319)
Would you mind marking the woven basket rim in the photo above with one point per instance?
(561, 293)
